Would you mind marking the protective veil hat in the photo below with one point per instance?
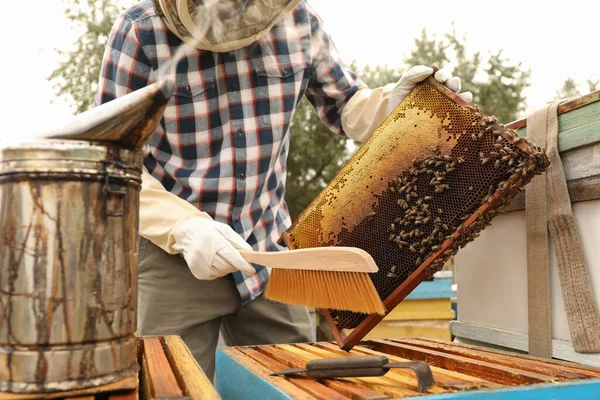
(222, 25)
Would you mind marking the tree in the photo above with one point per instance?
(497, 86)
(570, 88)
(77, 75)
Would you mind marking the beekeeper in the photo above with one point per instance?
(215, 169)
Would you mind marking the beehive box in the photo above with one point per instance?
(459, 371)
(492, 282)
(425, 313)
(167, 371)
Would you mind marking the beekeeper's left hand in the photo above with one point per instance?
(418, 73)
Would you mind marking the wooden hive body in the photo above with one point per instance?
(459, 371)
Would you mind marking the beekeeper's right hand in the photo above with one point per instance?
(210, 248)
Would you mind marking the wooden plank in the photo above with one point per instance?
(583, 190)
(345, 387)
(561, 349)
(489, 371)
(583, 369)
(314, 388)
(559, 371)
(253, 377)
(443, 378)
(188, 373)
(385, 384)
(158, 378)
(82, 398)
(426, 309)
(122, 385)
(436, 329)
(564, 108)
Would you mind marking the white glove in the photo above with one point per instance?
(418, 73)
(210, 248)
(368, 108)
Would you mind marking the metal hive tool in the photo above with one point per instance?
(425, 184)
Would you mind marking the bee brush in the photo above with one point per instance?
(321, 277)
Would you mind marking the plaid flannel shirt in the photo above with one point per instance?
(223, 141)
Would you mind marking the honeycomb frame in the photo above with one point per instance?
(431, 177)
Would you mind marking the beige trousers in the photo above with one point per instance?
(173, 302)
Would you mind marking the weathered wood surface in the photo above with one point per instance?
(158, 380)
(561, 349)
(578, 122)
(168, 371)
(122, 388)
(190, 376)
(456, 369)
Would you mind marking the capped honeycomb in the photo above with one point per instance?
(408, 191)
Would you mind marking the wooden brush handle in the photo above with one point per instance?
(349, 259)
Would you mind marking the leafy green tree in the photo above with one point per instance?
(570, 88)
(497, 85)
(77, 74)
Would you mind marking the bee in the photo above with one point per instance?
(412, 249)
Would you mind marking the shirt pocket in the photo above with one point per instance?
(194, 112)
(279, 88)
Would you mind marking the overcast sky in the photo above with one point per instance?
(554, 39)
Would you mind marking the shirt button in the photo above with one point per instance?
(239, 131)
(236, 87)
(188, 90)
(284, 70)
(242, 175)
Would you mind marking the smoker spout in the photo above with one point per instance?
(128, 120)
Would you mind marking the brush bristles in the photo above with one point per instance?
(351, 291)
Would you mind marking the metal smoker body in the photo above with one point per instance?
(68, 248)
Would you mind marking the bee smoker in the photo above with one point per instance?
(68, 248)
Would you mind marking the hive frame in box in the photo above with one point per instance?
(472, 225)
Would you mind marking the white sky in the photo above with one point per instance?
(554, 39)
